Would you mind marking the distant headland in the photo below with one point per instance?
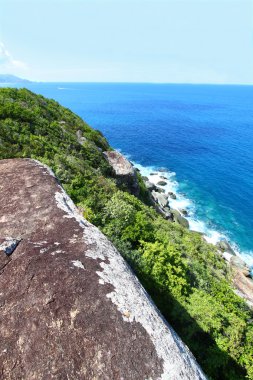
(9, 78)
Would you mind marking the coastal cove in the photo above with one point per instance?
(201, 134)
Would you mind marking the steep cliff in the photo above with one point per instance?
(187, 278)
(70, 306)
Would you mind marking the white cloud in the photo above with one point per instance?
(7, 62)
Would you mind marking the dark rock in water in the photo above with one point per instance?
(183, 211)
(153, 173)
(124, 171)
(161, 183)
(162, 170)
(159, 190)
(178, 218)
(224, 246)
(172, 195)
(70, 306)
(163, 177)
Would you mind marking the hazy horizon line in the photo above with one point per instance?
(128, 82)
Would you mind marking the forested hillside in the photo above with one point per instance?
(189, 282)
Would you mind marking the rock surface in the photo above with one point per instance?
(237, 262)
(178, 218)
(124, 171)
(81, 139)
(224, 246)
(244, 286)
(172, 195)
(150, 186)
(70, 306)
(161, 199)
(161, 183)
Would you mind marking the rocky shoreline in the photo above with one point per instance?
(241, 274)
(161, 199)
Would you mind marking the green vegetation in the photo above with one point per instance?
(184, 275)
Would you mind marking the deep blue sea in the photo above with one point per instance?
(202, 134)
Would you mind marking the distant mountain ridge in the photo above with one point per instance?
(9, 78)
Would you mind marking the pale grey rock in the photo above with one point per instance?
(124, 171)
(80, 138)
(160, 198)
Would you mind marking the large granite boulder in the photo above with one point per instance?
(159, 198)
(70, 306)
(124, 171)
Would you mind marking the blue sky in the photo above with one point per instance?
(190, 41)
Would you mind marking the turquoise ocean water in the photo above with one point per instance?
(202, 134)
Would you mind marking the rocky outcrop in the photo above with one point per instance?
(224, 246)
(179, 219)
(172, 195)
(161, 183)
(240, 270)
(161, 199)
(237, 262)
(124, 171)
(243, 285)
(70, 306)
(150, 186)
(80, 138)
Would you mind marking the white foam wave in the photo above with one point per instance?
(181, 202)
